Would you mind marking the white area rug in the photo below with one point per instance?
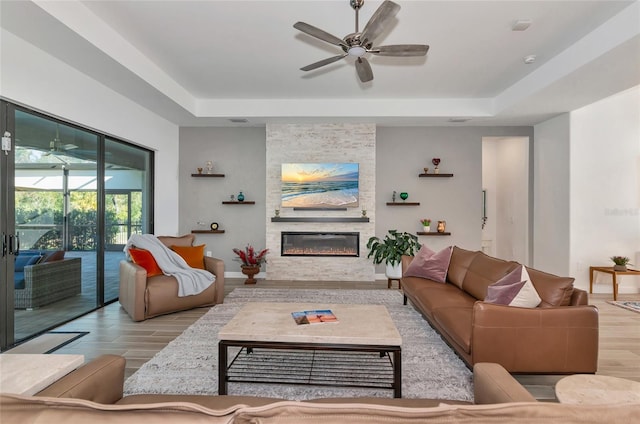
(189, 364)
(631, 305)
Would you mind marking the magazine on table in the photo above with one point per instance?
(318, 316)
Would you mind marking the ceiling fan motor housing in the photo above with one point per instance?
(356, 4)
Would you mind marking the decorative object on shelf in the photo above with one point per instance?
(277, 212)
(199, 170)
(404, 196)
(442, 225)
(209, 166)
(364, 212)
(393, 196)
(391, 249)
(426, 224)
(620, 262)
(232, 197)
(426, 170)
(240, 197)
(251, 262)
(436, 162)
(214, 226)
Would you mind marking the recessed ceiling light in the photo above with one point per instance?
(529, 59)
(239, 120)
(521, 24)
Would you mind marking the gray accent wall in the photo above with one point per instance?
(400, 154)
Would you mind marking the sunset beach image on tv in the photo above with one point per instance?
(319, 185)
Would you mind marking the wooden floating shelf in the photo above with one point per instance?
(235, 202)
(432, 233)
(436, 175)
(207, 231)
(403, 203)
(319, 219)
(208, 175)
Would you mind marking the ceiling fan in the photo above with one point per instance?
(359, 43)
(56, 146)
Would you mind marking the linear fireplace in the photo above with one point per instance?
(323, 243)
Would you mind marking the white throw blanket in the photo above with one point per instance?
(190, 280)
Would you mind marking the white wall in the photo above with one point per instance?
(33, 78)
(551, 222)
(605, 187)
(490, 185)
(505, 176)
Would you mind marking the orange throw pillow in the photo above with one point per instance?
(193, 255)
(145, 259)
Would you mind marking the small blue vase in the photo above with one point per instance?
(240, 197)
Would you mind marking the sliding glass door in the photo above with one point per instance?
(71, 198)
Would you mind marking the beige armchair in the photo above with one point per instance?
(145, 298)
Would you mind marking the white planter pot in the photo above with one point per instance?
(394, 271)
(426, 229)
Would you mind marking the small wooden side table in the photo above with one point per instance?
(390, 282)
(589, 389)
(609, 270)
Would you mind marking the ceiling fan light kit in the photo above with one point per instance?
(358, 44)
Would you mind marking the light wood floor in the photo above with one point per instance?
(112, 331)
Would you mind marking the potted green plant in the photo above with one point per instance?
(620, 262)
(390, 250)
(426, 225)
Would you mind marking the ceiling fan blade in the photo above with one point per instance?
(401, 50)
(320, 34)
(323, 62)
(375, 26)
(363, 68)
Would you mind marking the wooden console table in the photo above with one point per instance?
(609, 270)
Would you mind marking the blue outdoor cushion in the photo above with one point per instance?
(18, 280)
(23, 260)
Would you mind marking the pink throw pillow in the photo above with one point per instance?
(514, 289)
(430, 265)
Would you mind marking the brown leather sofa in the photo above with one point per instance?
(558, 336)
(93, 394)
(145, 298)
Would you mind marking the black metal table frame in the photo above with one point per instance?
(223, 346)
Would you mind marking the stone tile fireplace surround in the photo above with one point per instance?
(317, 143)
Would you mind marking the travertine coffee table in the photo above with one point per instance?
(360, 328)
(589, 389)
(27, 374)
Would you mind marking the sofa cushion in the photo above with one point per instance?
(25, 260)
(514, 289)
(554, 290)
(483, 271)
(185, 240)
(460, 261)
(208, 401)
(430, 265)
(458, 321)
(145, 259)
(56, 255)
(18, 280)
(434, 295)
(193, 255)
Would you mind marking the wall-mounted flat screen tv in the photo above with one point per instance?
(320, 185)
